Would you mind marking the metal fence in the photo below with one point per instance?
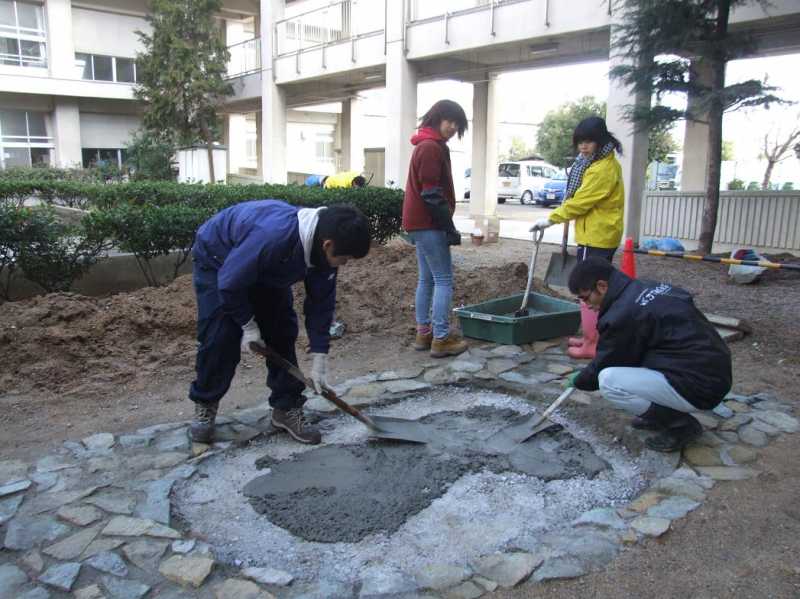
(745, 219)
(337, 22)
(245, 57)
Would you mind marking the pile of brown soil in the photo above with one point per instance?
(72, 344)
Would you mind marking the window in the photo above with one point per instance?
(103, 157)
(324, 147)
(23, 138)
(508, 170)
(97, 67)
(22, 34)
(535, 171)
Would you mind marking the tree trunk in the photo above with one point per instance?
(709, 222)
(210, 151)
(767, 174)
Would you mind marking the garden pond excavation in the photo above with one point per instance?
(333, 512)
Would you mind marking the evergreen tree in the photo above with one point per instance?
(181, 72)
(666, 41)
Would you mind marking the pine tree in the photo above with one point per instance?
(181, 72)
(666, 41)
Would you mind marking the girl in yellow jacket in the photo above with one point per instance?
(595, 200)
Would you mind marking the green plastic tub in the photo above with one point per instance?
(494, 320)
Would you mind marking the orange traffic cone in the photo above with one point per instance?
(628, 259)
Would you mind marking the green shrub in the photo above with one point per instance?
(150, 157)
(788, 186)
(52, 254)
(149, 231)
(735, 185)
(48, 173)
(753, 186)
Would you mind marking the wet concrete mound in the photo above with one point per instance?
(345, 493)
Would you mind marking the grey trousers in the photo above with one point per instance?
(634, 389)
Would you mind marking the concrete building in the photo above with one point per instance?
(317, 51)
(67, 72)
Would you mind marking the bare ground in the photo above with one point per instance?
(72, 366)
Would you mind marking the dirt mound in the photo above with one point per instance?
(68, 343)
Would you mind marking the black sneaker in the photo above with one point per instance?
(202, 428)
(294, 422)
(648, 421)
(677, 435)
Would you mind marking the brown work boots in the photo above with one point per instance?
(201, 430)
(451, 345)
(294, 422)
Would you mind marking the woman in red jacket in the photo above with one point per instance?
(428, 208)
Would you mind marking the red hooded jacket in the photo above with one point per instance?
(429, 172)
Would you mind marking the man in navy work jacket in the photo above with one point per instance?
(658, 357)
(246, 258)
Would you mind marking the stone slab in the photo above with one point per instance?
(11, 578)
(651, 527)
(187, 571)
(268, 576)
(73, 546)
(9, 507)
(25, 533)
(235, 588)
(61, 576)
(727, 472)
(441, 576)
(121, 588)
(79, 515)
(507, 569)
(14, 487)
(109, 563)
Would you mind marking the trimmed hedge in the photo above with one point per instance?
(383, 207)
(148, 219)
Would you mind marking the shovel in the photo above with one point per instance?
(523, 309)
(519, 433)
(383, 427)
(561, 265)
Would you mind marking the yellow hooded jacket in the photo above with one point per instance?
(344, 179)
(598, 206)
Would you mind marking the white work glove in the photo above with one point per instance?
(250, 332)
(541, 224)
(319, 372)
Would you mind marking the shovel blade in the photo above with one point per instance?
(398, 429)
(559, 269)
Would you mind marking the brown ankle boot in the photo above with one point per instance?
(451, 345)
(422, 342)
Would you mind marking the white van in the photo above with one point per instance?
(523, 180)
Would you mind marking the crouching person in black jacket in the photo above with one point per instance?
(658, 357)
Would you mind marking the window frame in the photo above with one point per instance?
(114, 77)
(25, 34)
(27, 142)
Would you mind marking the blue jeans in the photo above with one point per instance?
(435, 283)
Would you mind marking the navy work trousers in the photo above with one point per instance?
(219, 341)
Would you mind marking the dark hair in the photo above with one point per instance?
(358, 181)
(594, 129)
(347, 227)
(586, 273)
(445, 110)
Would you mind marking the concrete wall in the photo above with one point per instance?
(111, 275)
(106, 33)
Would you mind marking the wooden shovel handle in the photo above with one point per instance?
(275, 359)
(565, 240)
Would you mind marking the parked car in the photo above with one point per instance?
(552, 194)
(523, 180)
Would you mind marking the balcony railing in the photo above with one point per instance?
(340, 21)
(245, 57)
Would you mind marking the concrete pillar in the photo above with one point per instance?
(60, 45)
(483, 178)
(401, 96)
(634, 143)
(259, 149)
(273, 101)
(346, 136)
(695, 140)
(67, 132)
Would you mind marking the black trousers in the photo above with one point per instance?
(587, 251)
(219, 341)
